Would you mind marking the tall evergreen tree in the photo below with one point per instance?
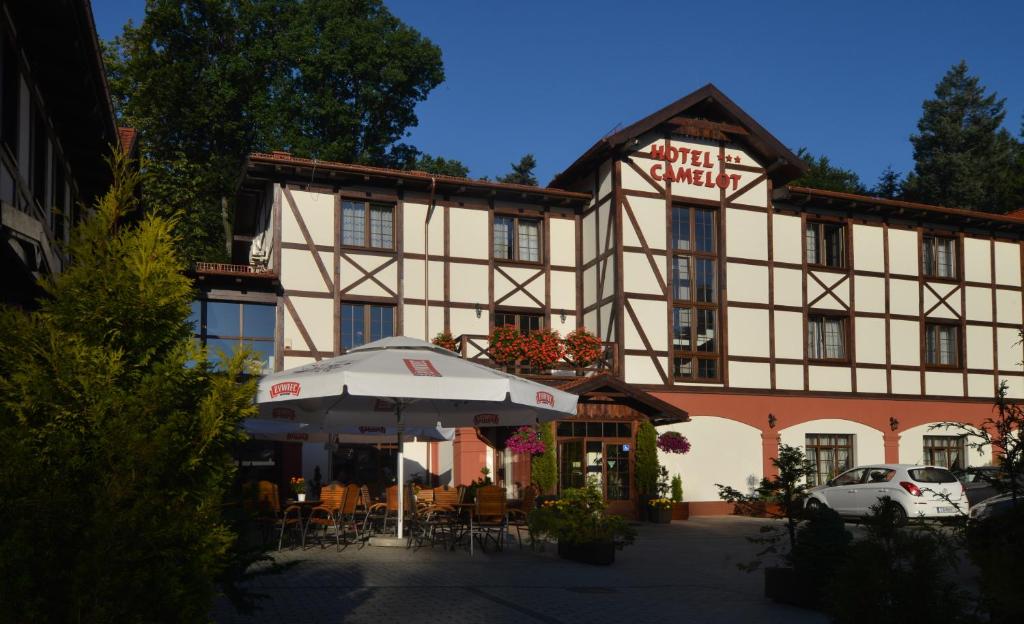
(522, 172)
(822, 174)
(963, 157)
(116, 434)
(889, 185)
(208, 81)
(441, 166)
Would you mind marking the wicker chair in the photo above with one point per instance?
(327, 514)
(519, 518)
(268, 504)
(489, 517)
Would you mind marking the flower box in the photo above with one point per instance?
(594, 553)
(661, 515)
(680, 511)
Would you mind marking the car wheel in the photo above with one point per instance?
(813, 506)
(897, 516)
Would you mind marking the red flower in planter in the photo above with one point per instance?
(525, 440)
(543, 348)
(672, 442)
(583, 347)
(446, 340)
(506, 344)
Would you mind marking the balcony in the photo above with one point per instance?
(237, 270)
(474, 347)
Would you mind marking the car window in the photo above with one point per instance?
(931, 475)
(880, 475)
(850, 477)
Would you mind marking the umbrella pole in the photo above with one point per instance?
(401, 476)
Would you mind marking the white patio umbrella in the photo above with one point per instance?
(287, 431)
(406, 382)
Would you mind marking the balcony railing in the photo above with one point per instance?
(474, 347)
(219, 268)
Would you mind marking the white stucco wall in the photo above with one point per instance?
(723, 451)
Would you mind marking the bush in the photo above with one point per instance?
(820, 548)
(544, 467)
(646, 469)
(677, 489)
(580, 517)
(116, 451)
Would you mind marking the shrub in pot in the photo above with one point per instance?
(660, 510)
(582, 526)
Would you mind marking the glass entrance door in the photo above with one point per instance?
(570, 465)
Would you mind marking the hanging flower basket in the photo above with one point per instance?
(526, 441)
(506, 344)
(672, 442)
(582, 347)
(446, 340)
(543, 348)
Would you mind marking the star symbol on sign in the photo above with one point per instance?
(728, 158)
(736, 158)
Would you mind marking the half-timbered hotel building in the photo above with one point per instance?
(735, 308)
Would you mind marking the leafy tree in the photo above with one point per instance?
(208, 81)
(116, 451)
(822, 174)
(647, 460)
(544, 467)
(441, 166)
(889, 185)
(963, 157)
(522, 172)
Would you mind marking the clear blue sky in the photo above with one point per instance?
(844, 79)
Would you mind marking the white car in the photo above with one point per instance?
(915, 491)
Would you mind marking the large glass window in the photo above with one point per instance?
(942, 344)
(825, 244)
(944, 451)
(826, 337)
(938, 256)
(516, 238)
(228, 325)
(366, 224)
(363, 322)
(695, 294)
(830, 454)
(598, 452)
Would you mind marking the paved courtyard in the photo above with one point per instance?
(685, 571)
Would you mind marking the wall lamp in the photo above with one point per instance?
(771, 420)
(562, 316)
(893, 423)
(477, 310)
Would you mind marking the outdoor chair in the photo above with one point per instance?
(446, 496)
(424, 498)
(379, 514)
(489, 517)
(519, 518)
(329, 513)
(272, 518)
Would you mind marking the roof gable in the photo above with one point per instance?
(659, 412)
(707, 113)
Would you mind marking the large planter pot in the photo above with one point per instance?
(783, 585)
(594, 553)
(680, 511)
(660, 515)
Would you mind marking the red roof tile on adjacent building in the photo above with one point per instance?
(127, 138)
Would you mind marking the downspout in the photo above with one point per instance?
(426, 260)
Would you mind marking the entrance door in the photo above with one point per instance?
(570, 465)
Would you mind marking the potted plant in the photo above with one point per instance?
(582, 526)
(646, 470)
(506, 345)
(582, 347)
(680, 510)
(660, 510)
(445, 340)
(673, 442)
(543, 348)
(298, 485)
(788, 488)
(526, 441)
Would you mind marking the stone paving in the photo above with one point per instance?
(685, 571)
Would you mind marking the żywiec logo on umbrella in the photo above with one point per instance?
(298, 436)
(545, 398)
(368, 429)
(421, 368)
(486, 419)
(285, 388)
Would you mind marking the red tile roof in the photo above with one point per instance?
(127, 137)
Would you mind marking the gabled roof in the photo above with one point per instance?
(658, 411)
(706, 103)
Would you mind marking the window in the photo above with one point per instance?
(595, 451)
(228, 325)
(938, 257)
(942, 345)
(825, 244)
(58, 214)
(526, 323)
(516, 238)
(695, 294)
(826, 337)
(40, 156)
(9, 98)
(944, 451)
(830, 454)
(367, 224)
(362, 323)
